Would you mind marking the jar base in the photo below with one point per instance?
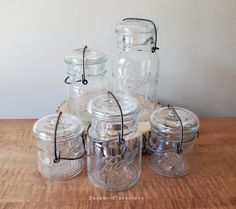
(164, 165)
(51, 174)
(126, 186)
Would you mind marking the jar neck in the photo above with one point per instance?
(174, 137)
(111, 128)
(141, 42)
(75, 72)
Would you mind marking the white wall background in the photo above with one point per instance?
(197, 43)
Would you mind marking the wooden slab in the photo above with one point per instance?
(144, 127)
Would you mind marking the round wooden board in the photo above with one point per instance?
(144, 127)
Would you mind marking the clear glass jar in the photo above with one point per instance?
(135, 64)
(113, 165)
(80, 93)
(170, 155)
(68, 142)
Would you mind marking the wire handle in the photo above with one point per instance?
(154, 48)
(121, 139)
(58, 157)
(83, 80)
(179, 149)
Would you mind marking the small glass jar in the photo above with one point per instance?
(171, 143)
(135, 64)
(68, 142)
(113, 161)
(91, 63)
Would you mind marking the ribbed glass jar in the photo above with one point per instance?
(113, 165)
(79, 94)
(166, 136)
(69, 143)
(135, 66)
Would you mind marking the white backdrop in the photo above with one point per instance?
(197, 43)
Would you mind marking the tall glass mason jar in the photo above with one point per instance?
(113, 161)
(172, 140)
(82, 88)
(135, 64)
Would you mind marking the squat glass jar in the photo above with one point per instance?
(172, 140)
(68, 142)
(113, 161)
(135, 64)
(86, 79)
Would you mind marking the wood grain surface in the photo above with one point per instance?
(211, 183)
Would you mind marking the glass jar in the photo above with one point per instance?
(135, 64)
(113, 161)
(68, 143)
(86, 79)
(173, 133)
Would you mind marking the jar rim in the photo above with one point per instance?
(174, 138)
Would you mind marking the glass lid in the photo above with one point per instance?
(91, 57)
(131, 27)
(165, 121)
(69, 126)
(106, 106)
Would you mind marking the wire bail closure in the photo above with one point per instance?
(179, 149)
(121, 139)
(83, 80)
(154, 48)
(57, 155)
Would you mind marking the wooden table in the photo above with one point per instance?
(211, 184)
